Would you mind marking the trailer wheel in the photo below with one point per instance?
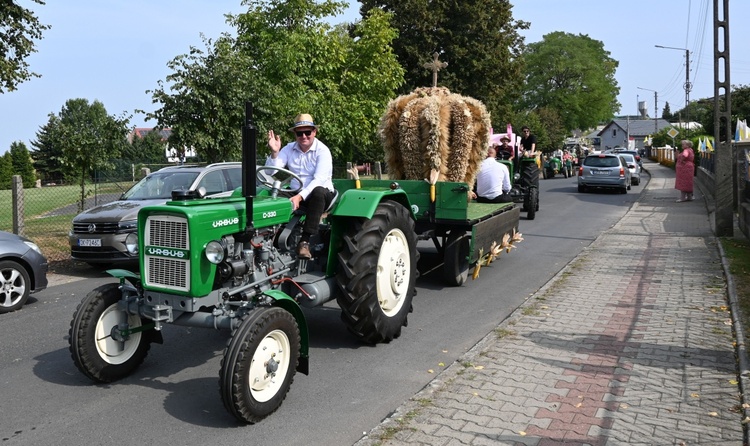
(532, 204)
(95, 344)
(377, 272)
(259, 364)
(456, 258)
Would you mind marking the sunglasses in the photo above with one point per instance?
(304, 132)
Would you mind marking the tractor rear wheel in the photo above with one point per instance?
(259, 364)
(98, 347)
(377, 272)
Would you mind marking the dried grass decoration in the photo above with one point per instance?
(435, 135)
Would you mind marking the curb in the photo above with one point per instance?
(742, 357)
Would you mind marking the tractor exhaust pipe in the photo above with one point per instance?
(249, 163)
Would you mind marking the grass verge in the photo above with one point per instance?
(737, 251)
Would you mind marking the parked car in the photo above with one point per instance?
(605, 170)
(635, 169)
(23, 270)
(631, 152)
(98, 234)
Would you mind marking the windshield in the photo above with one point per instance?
(159, 185)
(602, 161)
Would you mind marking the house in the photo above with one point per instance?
(172, 155)
(630, 133)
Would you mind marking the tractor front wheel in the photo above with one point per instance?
(377, 273)
(259, 364)
(107, 343)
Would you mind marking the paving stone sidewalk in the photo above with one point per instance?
(631, 343)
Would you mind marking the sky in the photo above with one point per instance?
(114, 51)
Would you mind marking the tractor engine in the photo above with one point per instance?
(257, 261)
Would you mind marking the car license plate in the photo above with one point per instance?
(600, 172)
(90, 242)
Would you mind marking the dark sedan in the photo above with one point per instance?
(23, 270)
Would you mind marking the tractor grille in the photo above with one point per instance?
(165, 232)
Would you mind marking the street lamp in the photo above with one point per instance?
(688, 86)
(656, 109)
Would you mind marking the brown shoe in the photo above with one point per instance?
(303, 250)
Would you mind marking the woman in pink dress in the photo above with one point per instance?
(685, 169)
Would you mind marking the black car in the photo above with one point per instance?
(23, 270)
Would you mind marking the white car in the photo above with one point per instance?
(634, 167)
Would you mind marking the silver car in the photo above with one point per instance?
(98, 234)
(23, 270)
(606, 170)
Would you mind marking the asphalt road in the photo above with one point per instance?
(173, 397)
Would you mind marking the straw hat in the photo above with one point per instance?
(303, 120)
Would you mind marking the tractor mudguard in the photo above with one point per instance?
(282, 300)
(359, 203)
(121, 274)
(363, 202)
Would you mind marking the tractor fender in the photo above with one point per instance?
(282, 300)
(355, 204)
(363, 202)
(124, 274)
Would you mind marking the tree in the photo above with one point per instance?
(477, 38)
(554, 130)
(47, 155)
(574, 75)
(19, 28)
(149, 149)
(6, 171)
(87, 138)
(665, 113)
(286, 60)
(204, 103)
(22, 163)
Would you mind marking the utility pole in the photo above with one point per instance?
(656, 109)
(725, 192)
(688, 85)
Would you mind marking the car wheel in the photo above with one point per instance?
(581, 189)
(15, 286)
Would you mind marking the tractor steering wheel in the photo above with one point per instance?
(270, 181)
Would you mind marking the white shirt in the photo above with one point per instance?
(493, 179)
(314, 167)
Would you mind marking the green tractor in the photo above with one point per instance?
(230, 263)
(525, 184)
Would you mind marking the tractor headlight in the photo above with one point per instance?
(131, 243)
(214, 252)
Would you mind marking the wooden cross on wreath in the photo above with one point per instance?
(435, 66)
